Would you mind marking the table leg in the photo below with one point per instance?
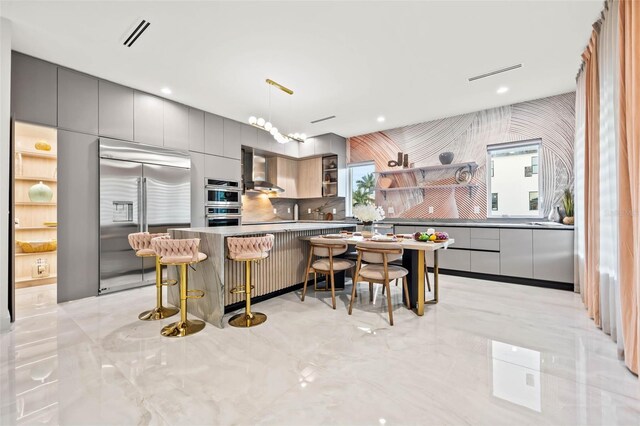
(421, 272)
(435, 279)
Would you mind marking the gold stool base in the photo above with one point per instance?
(158, 313)
(182, 328)
(244, 320)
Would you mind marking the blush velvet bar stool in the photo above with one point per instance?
(248, 250)
(326, 249)
(141, 243)
(181, 253)
(378, 256)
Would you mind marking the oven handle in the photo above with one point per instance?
(223, 216)
(223, 188)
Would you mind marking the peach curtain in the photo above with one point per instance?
(629, 177)
(591, 295)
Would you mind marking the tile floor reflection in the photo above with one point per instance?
(488, 353)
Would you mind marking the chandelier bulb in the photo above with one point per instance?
(268, 126)
(252, 120)
(261, 122)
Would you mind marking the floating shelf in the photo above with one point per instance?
(37, 154)
(470, 186)
(471, 165)
(31, 203)
(39, 253)
(330, 170)
(329, 183)
(34, 228)
(36, 179)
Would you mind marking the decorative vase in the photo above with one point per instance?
(367, 229)
(554, 215)
(42, 146)
(40, 193)
(446, 157)
(569, 220)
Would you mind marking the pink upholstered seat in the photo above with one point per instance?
(246, 248)
(141, 242)
(173, 251)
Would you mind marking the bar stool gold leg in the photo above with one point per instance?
(159, 312)
(248, 318)
(184, 327)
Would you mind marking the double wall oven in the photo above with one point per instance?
(223, 202)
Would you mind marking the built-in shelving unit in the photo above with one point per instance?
(330, 176)
(31, 167)
(467, 167)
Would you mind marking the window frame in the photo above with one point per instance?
(518, 144)
(348, 197)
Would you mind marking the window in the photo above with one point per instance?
(361, 184)
(514, 179)
(494, 201)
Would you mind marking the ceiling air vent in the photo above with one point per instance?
(137, 32)
(331, 117)
(490, 73)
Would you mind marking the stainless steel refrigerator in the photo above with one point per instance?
(142, 188)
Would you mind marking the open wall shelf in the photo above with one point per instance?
(424, 189)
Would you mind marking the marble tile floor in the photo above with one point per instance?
(488, 353)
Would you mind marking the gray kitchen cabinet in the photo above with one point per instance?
(213, 134)
(457, 260)
(338, 146)
(553, 255)
(485, 233)
(115, 111)
(306, 148)
(148, 116)
(291, 149)
(197, 189)
(176, 125)
(516, 252)
(484, 262)
(248, 136)
(322, 144)
(221, 168)
(77, 102)
(78, 216)
(34, 90)
(462, 236)
(485, 244)
(264, 140)
(231, 137)
(196, 130)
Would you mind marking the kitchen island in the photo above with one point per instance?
(282, 271)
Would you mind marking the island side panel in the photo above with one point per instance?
(206, 275)
(284, 267)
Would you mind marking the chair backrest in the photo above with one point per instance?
(373, 252)
(321, 246)
(246, 246)
(142, 240)
(167, 247)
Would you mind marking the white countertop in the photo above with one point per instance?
(266, 228)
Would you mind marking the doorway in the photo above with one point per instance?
(34, 212)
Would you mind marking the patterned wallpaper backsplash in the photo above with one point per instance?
(260, 208)
(467, 136)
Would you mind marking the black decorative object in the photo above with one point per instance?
(446, 157)
(399, 162)
(392, 163)
(405, 162)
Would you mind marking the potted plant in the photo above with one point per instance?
(367, 214)
(567, 201)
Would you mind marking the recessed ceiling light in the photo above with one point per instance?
(166, 90)
(502, 89)
(381, 119)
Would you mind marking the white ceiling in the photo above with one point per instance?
(407, 61)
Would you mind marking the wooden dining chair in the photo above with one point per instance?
(326, 249)
(378, 269)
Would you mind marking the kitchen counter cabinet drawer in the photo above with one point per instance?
(516, 252)
(485, 233)
(461, 235)
(492, 245)
(404, 229)
(457, 260)
(484, 262)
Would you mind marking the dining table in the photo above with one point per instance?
(415, 261)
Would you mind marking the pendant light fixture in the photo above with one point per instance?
(267, 126)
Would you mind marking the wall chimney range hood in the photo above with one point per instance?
(254, 173)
